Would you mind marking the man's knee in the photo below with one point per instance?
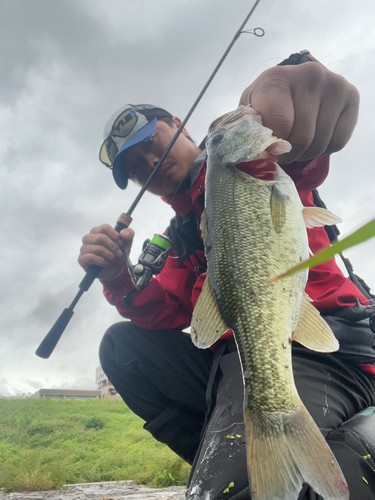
(353, 444)
(115, 335)
(358, 433)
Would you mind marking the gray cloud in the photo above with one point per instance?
(65, 67)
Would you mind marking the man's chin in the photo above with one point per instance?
(183, 186)
(168, 191)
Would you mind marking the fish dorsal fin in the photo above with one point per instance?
(318, 217)
(278, 208)
(312, 331)
(207, 325)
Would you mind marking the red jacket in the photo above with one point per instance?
(169, 300)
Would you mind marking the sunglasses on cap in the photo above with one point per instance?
(125, 125)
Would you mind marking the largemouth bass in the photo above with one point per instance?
(254, 228)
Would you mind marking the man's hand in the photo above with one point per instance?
(308, 105)
(106, 248)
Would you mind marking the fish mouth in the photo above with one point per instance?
(264, 169)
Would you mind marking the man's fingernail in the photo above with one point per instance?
(119, 254)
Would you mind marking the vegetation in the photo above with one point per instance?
(361, 235)
(45, 444)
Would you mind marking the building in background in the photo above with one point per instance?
(66, 394)
(107, 391)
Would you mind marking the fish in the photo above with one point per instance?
(254, 228)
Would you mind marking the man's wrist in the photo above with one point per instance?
(122, 282)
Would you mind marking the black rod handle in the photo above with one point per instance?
(53, 336)
(93, 271)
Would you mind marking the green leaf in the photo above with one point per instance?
(362, 234)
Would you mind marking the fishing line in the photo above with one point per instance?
(190, 112)
(345, 32)
(226, 428)
(321, 59)
(163, 216)
(258, 32)
(342, 73)
(238, 69)
(245, 57)
(50, 341)
(278, 59)
(169, 207)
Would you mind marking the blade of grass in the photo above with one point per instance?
(362, 234)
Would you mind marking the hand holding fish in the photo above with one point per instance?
(307, 105)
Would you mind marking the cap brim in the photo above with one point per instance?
(120, 172)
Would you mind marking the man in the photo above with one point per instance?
(192, 399)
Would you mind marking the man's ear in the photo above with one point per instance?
(178, 123)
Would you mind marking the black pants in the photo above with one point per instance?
(163, 378)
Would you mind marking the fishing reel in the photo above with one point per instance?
(150, 262)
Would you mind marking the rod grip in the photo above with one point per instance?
(53, 336)
(92, 273)
(50, 341)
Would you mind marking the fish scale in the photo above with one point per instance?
(243, 241)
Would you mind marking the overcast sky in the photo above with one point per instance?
(66, 66)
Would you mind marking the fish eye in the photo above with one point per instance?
(217, 138)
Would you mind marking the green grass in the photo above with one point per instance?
(45, 444)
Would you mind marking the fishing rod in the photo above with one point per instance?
(156, 251)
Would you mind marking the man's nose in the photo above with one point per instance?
(152, 161)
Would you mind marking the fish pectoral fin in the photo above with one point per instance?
(278, 208)
(318, 217)
(205, 234)
(203, 225)
(312, 331)
(207, 325)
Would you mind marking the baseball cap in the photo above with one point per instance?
(129, 125)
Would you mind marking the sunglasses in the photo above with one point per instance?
(122, 127)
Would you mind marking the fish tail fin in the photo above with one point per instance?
(286, 450)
